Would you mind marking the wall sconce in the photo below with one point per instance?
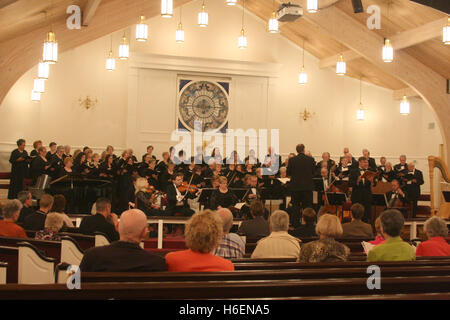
(306, 114)
(88, 102)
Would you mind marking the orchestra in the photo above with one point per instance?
(176, 179)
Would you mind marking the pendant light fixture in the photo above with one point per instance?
(35, 96)
(203, 17)
(110, 61)
(231, 2)
(446, 33)
(124, 49)
(312, 6)
(39, 85)
(43, 70)
(360, 111)
(341, 66)
(166, 8)
(179, 34)
(303, 76)
(273, 22)
(388, 51)
(50, 50)
(141, 30)
(404, 106)
(242, 40)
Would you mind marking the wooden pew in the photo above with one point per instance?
(50, 249)
(10, 255)
(229, 289)
(3, 272)
(324, 273)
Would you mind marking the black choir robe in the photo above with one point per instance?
(37, 168)
(19, 169)
(362, 192)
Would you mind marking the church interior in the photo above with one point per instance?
(225, 149)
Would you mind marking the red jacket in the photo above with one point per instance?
(436, 246)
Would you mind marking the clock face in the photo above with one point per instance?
(205, 102)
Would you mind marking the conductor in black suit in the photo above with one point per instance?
(413, 180)
(301, 170)
(362, 188)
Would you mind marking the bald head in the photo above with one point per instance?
(227, 219)
(133, 226)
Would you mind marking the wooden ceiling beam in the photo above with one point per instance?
(399, 41)
(430, 85)
(89, 11)
(408, 92)
(5, 3)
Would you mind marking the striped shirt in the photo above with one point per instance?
(231, 247)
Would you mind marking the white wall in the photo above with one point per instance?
(137, 102)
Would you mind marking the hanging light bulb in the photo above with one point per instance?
(124, 49)
(360, 113)
(231, 2)
(388, 51)
(141, 30)
(39, 85)
(273, 23)
(312, 6)
(404, 106)
(110, 62)
(43, 70)
(203, 17)
(242, 40)
(179, 35)
(303, 76)
(446, 33)
(166, 8)
(50, 51)
(341, 66)
(35, 96)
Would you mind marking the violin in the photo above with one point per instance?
(186, 187)
(150, 189)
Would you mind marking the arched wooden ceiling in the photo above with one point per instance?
(23, 25)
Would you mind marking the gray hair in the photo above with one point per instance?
(279, 221)
(54, 221)
(403, 156)
(435, 227)
(227, 219)
(11, 207)
(60, 148)
(22, 196)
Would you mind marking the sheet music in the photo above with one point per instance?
(239, 205)
(367, 246)
(284, 180)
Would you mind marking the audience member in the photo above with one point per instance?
(379, 238)
(394, 249)
(279, 244)
(103, 221)
(326, 249)
(124, 255)
(231, 246)
(258, 227)
(25, 198)
(308, 227)
(357, 228)
(36, 220)
(53, 224)
(8, 227)
(436, 245)
(59, 206)
(203, 235)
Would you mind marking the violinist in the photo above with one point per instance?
(177, 202)
(222, 197)
(396, 197)
(146, 198)
(198, 180)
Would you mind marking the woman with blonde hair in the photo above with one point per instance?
(53, 224)
(144, 199)
(326, 249)
(203, 234)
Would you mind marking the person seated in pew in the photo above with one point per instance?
(27, 201)
(59, 206)
(379, 238)
(308, 227)
(10, 212)
(203, 234)
(356, 228)
(231, 245)
(394, 249)
(103, 221)
(36, 221)
(326, 249)
(436, 245)
(279, 244)
(257, 227)
(53, 225)
(124, 255)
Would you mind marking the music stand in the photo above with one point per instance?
(378, 200)
(336, 198)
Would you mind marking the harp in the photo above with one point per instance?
(436, 162)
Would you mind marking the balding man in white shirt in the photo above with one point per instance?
(279, 244)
